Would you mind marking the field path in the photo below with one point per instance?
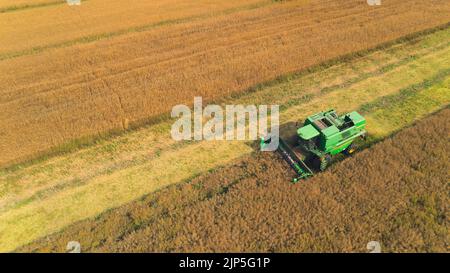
(46, 196)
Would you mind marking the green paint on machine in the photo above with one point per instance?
(321, 136)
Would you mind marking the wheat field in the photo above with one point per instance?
(47, 96)
(410, 79)
(86, 92)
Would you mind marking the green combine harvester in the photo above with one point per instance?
(322, 136)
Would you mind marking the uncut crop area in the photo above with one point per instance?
(67, 74)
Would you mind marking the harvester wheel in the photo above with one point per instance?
(324, 162)
(350, 149)
(321, 163)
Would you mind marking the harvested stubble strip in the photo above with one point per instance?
(394, 193)
(86, 90)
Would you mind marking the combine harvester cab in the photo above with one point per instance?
(322, 136)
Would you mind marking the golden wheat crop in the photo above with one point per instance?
(50, 98)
